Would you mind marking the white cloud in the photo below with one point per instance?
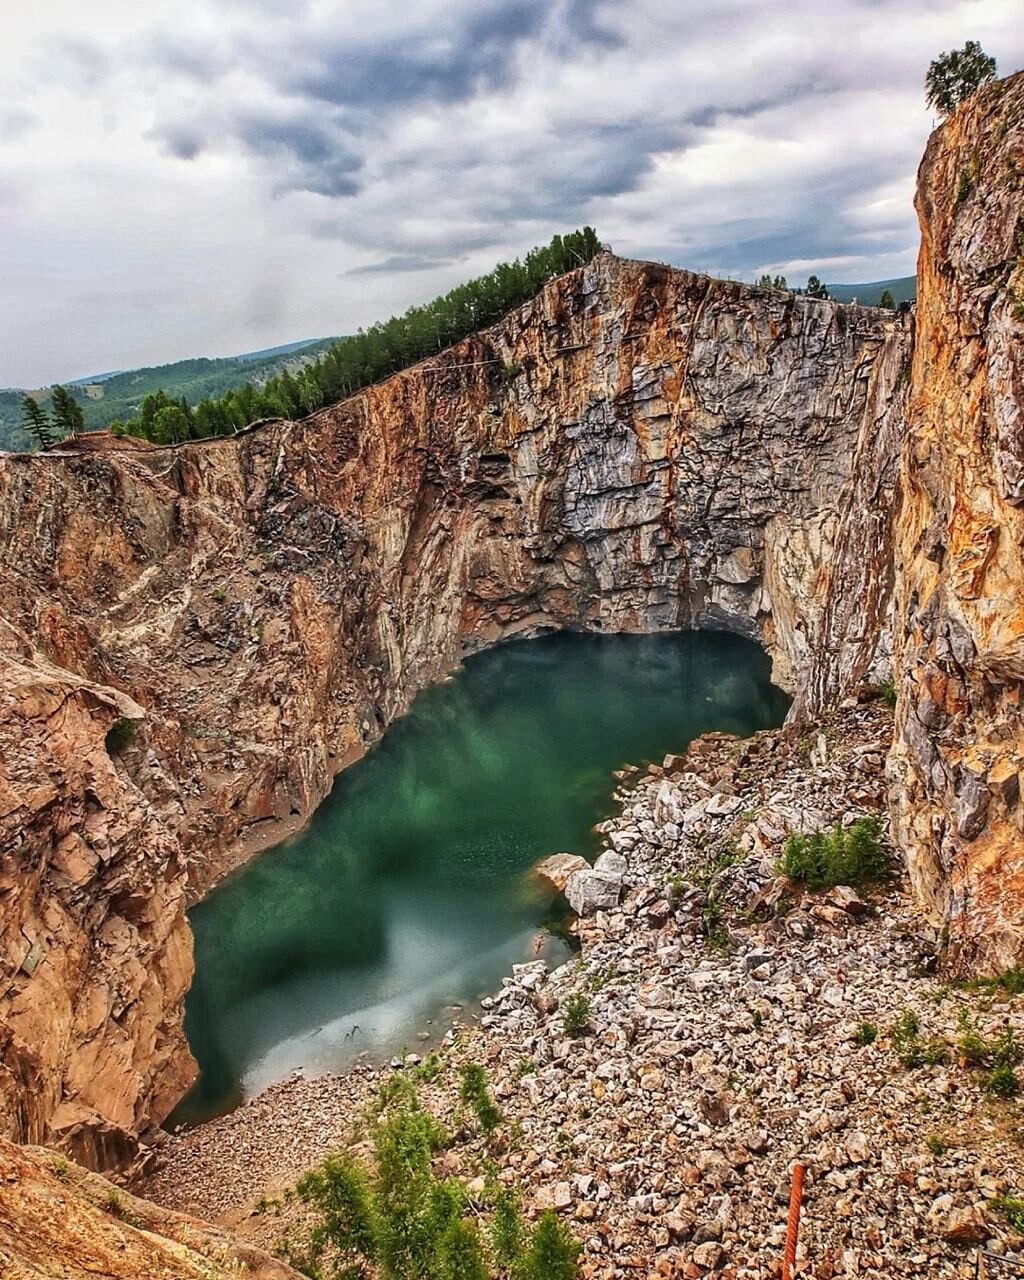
(188, 177)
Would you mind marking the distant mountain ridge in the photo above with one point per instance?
(107, 397)
(868, 294)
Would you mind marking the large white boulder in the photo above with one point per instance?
(592, 890)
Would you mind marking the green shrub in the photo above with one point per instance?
(397, 1220)
(725, 853)
(935, 1144)
(1002, 1082)
(911, 1048)
(1010, 983)
(339, 1191)
(507, 1229)
(119, 735)
(850, 855)
(713, 925)
(575, 1014)
(552, 1254)
(974, 1049)
(459, 1255)
(429, 1069)
(474, 1091)
(998, 1056)
(865, 1034)
(1012, 1209)
(675, 887)
(888, 692)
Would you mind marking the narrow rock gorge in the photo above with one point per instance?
(194, 640)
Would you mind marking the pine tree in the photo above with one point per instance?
(507, 1229)
(367, 356)
(459, 1256)
(815, 288)
(67, 412)
(953, 77)
(36, 422)
(887, 300)
(552, 1254)
(170, 426)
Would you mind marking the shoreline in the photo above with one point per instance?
(663, 1135)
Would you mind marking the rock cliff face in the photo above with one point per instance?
(960, 633)
(638, 448)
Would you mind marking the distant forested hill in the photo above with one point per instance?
(902, 290)
(118, 395)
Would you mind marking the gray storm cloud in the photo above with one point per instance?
(161, 163)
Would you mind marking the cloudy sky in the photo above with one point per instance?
(202, 177)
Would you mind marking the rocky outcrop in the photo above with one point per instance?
(57, 1220)
(638, 448)
(960, 568)
(96, 955)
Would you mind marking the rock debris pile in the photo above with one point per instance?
(734, 1024)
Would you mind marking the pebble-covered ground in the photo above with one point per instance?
(736, 1025)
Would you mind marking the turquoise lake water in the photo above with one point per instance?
(409, 891)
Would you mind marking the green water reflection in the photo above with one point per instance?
(407, 892)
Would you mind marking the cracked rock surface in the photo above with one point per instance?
(672, 451)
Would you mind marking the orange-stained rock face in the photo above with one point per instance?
(959, 747)
(637, 449)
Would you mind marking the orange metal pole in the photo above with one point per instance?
(793, 1225)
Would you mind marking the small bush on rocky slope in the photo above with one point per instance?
(913, 1049)
(474, 1091)
(1008, 983)
(998, 1056)
(396, 1219)
(575, 1014)
(119, 735)
(1012, 1209)
(844, 855)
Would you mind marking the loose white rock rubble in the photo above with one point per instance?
(666, 1134)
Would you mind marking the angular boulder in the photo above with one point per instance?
(554, 871)
(592, 890)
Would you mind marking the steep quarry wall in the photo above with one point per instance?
(639, 448)
(960, 633)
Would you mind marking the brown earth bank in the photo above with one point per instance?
(638, 448)
(60, 1222)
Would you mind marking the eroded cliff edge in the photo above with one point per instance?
(638, 448)
(957, 758)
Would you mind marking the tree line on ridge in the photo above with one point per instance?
(346, 367)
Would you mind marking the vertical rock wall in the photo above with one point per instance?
(959, 747)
